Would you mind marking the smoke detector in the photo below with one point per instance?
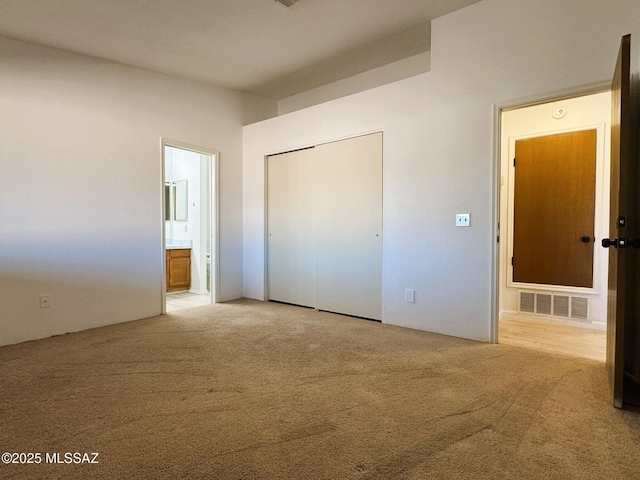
(287, 3)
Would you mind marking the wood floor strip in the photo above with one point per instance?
(554, 338)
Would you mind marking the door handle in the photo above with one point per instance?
(586, 239)
(615, 243)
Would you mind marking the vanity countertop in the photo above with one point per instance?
(178, 244)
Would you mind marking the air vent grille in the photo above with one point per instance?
(527, 302)
(287, 3)
(561, 305)
(579, 308)
(557, 305)
(543, 304)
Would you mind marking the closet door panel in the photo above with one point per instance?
(290, 213)
(349, 226)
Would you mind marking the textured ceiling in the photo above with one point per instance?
(255, 46)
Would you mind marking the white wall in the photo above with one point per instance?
(405, 68)
(439, 158)
(81, 185)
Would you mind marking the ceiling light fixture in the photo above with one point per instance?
(287, 3)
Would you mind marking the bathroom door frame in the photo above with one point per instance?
(499, 180)
(214, 219)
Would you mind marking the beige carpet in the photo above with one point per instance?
(250, 390)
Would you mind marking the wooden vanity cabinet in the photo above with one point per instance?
(178, 269)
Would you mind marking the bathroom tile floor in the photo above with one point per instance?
(182, 300)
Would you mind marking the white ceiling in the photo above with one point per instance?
(255, 46)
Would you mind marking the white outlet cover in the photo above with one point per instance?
(463, 219)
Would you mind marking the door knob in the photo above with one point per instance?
(606, 243)
(586, 239)
(615, 243)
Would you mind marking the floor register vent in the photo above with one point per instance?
(552, 304)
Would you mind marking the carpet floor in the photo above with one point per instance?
(252, 390)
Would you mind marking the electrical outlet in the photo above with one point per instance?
(463, 219)
(45, 300)
(410, 295)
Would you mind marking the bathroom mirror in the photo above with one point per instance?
(181, 200)
(176, 204)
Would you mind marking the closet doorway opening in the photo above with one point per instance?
(190, 226)
(554, 183)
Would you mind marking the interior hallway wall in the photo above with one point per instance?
(439, 157)
(81, 185)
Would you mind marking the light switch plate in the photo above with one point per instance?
(463, 219)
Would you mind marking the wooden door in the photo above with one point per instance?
(349, 226)
(622, 323)
(554, 207)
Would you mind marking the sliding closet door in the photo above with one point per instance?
(291, 242)
(349, 226)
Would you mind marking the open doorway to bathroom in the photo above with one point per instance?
(190, 233)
